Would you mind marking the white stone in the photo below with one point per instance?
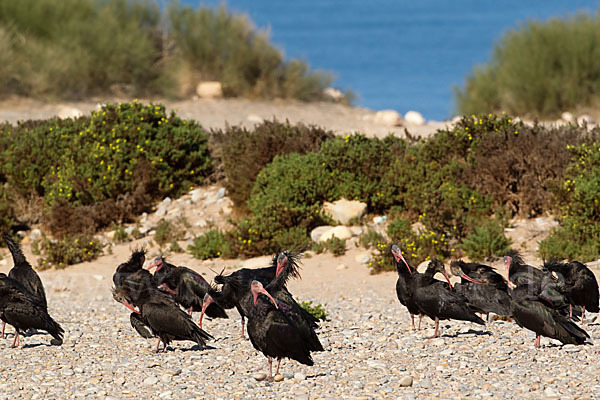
(340, 232)
(220, 193)
(414, 118)
(356, 230)
(342, 211)
(567, 117)
(209, 89)
(98, 277)
(150, 381)
(316, 233)
(196, 195)
(406, 381)
(161, 211)
(65, 111)
(333, 94)
(387, 118)
(299, 376)
(341, 267)
(35, 234)
(256, 262)
(255, 119)
(585, 119)
(260, 376)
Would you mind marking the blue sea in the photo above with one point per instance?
(403, 55)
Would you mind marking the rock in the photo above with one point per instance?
(342, 211)
(65, 111)
(98, 277)
(278, 378)
(567, 117)
(333, 94)
(341, 267)
(129, 230)
(260, 376)
(220, 193)
(201, 223)
(316, 233)
(406, 381)
(340, 232)
(414, 118)
(254, 119)
(35, 234)
(387, 118)
(363, 257)
(257, 262)
(356, 230)
(426, 383)
(196, 195)
(150, 381)
(379, 219)
(299, 376)
(571, 348)
(587, 119)
(209, 89)
(110, 235)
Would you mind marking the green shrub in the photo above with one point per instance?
(578, 236)
(103, 169)
(71, 250)
(120, 235)
(371, 239)
(318, 310)
(295, 238)
(334, 245)
(486, 242)
(212, 244)
(541, 69)
(245, 153)
(166, 232)
(175, 247)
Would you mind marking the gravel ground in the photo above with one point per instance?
(370, 351)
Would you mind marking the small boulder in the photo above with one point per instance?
(406, 381)
(35, 234)
(209, 89)
(340, 232)
(333, 94)
(388, 118)
(342, 211)
(587, 119)
(567, 117)
(414, 118)
(315, 234)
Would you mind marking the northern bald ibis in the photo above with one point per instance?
(159, 311)
(22, 310)
(518, 273)
(187, 286)
(403, 285)
(23, 273)
(536, 313)
(274, 333)
(485, 289)
(235, 285)
(579, 284)
(437, 300)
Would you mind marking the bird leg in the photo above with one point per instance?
(537, 341)
(582, 314)
(3, 327)
(157, 344)
(412, 321)
(270, 361)
(420, 319)
(436, 332)
(570, 310)
(16, 340)
(243, 327)
(489, 320)
(278, 363)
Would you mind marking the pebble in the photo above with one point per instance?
(278, 378)
(426, 383)
(299, 376)
(150, 381)
(260, 376)
(406, 381)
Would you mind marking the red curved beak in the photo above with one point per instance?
(281, 265)
(447, 279)
(398, 256)
(156, 263)
(467, 277)
(264, 291)
(131, 307)
(167, 289)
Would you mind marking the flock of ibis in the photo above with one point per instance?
(548, 301)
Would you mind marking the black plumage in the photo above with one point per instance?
(158, 311)
(404, 290)
(578, 282)
(485, 289)
(437, 300)
(278, 333)
(518, 273)
(22, 310)
(536, 313)
(187, 286)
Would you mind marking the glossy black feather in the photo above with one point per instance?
(580, 284)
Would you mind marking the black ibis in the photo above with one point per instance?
(403, 285)
(22, 310)
(235, 285)
(437, 300)
(518, 273)
(538, 314)
(159, 311)
(579, 284)
(274, 333)
(187, 286)
(485, 289)
(23, 273)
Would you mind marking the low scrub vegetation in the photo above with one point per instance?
(539, 69)
(71, 49)
(316, 310)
